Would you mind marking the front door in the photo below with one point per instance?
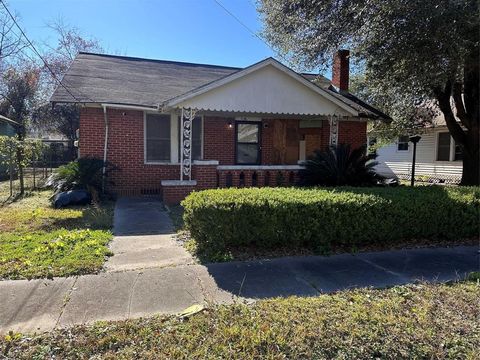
(247, 139)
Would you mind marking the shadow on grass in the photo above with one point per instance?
(176, 215)
(94, 217)
(16, 197)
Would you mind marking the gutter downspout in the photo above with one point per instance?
(105, 147)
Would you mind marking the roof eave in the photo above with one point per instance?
(171, 103)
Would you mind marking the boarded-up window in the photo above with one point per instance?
(157, 137)
(443, 147)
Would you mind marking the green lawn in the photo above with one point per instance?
(37, 240)
(406, 322)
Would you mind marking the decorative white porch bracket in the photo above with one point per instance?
(333, 130)
(186, 137)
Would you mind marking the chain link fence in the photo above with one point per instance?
(433, 179)
(54, 154)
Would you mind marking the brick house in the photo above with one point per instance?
(173, 127)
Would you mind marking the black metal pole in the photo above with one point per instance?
(412, 181)
(414, 139)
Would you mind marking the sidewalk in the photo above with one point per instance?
(151, 274)
(143, 237)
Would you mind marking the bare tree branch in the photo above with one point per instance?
(11, 43)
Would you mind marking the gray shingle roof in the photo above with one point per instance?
(134, 81)
(98, 78)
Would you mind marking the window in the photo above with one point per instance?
(443, 147)
(447, 150)
(402, 144)
(458, 153)
(197, 135)
(248, 143)
(157, 137)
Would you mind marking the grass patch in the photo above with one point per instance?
(417, 321)
(37, 240)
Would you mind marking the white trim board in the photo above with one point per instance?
(182, 100)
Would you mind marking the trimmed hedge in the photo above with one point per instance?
(318, 218)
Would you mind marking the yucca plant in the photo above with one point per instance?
(84, 173)
(339, 165)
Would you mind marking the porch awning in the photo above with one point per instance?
(267, 87)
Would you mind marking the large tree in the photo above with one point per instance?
(416, 53)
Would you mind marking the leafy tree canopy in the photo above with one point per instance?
(416, 53)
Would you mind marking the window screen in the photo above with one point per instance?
(248, 143)
(157, 135)
(443, 147)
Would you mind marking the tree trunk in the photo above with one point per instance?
(467, 134)
(471, 156)
(471, 168)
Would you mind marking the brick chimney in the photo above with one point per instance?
(341, 69)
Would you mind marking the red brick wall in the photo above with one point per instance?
(92, 132)
(353, 133)
(206, 176)
(275, 178)
(219, 139)
(325, 135)
(267, 142)
(125, 150)
(173, 195)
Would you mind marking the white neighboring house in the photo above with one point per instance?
(438, 159)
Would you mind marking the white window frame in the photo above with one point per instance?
(174, 140)
(156, 162)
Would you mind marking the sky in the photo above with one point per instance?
(181, 30)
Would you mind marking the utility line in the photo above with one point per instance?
(250, 30)
(38, 53)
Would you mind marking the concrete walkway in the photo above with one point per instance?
(151, 274)
(143, 238)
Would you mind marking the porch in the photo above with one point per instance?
(210, 175)
(221, 150)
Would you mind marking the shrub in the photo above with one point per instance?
(339, 166)
(318, 218)
(84, 173)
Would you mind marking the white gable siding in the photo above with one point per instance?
(393, 162)
(266, 90)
